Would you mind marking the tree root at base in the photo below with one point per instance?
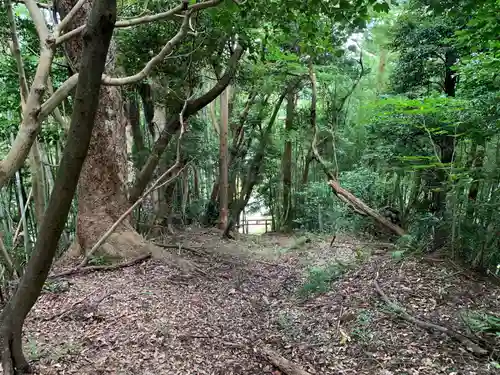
(467, 342)
(13, 359)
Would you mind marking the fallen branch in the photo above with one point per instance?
(333, 240)
(360, 206)
(83, 270)
(345, 196)
(286, 366)
(465, 341)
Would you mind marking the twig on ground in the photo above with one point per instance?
(340, 317)
(82, 270)
(333, 240)
(68, 310)
(465, 341)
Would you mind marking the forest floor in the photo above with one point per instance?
(250, 294)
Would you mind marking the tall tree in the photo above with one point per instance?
(286, 165)
(223, 159)
(97, 37)
(102, 196)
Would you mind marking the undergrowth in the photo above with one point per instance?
(482, 322)
(319, 278)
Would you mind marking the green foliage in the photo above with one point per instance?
(55, 287)
(361, 330)
(100, 260)
(319, 279)
(482, 322)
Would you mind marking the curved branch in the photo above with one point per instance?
(63, 91)
(155, 60)
(173, 125)
(146, 19)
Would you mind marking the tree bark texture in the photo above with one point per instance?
(102, 197)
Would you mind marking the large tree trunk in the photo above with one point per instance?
(102, 195)
(98, 35)
(286, 164)
(223, 159)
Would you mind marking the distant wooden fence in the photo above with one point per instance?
(245, 224)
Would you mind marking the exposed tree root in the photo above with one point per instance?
(286, 366)
(465, 341)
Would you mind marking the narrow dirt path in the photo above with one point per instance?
(151, 319)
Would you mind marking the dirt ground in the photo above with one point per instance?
(246, 295)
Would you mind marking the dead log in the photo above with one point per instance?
(360, 206)
(465, 341)
(286, 366)
(345, 196)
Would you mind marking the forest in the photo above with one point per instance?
(283, 187)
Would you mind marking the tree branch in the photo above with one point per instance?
(38, 20)
(173, 125)
(63, 91)
(155, 60)
(16, 52)
(66, 20)
(147, 19)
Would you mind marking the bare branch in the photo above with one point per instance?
(16, 52)
(30, 125)
(147, 19)
(155, 60)
(56, 112)
(70, 34)
(38, 20)
(63, 91)
(57, 98)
